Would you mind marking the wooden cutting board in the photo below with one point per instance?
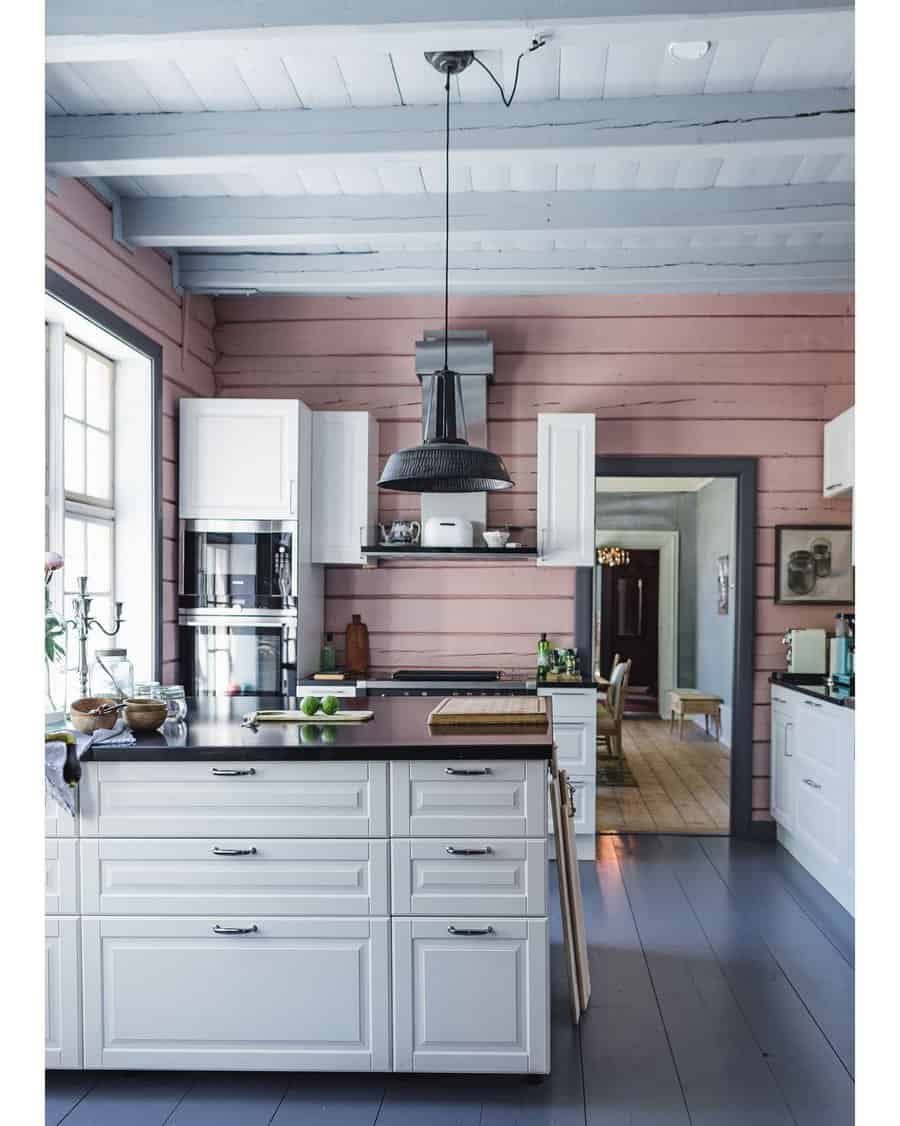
(254, 718)
(477, 711)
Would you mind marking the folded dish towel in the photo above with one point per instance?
(55, 759)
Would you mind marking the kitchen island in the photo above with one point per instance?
(364, 897)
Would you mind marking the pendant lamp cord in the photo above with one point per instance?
(447, 228)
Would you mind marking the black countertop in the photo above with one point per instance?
(399, 730)
(813, 686)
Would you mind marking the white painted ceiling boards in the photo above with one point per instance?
(296, 147)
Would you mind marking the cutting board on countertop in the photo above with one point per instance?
(481, 711)
(252, 719)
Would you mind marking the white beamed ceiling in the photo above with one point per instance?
(293, 149)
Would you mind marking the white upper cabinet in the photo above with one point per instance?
(344, 490)
(239, 459)
(565, 500)
(839, 455)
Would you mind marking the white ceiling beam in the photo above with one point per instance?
(591, 271)
(395, 220)
(805, 122)
(98, 30)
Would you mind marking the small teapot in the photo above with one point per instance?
(400, 532)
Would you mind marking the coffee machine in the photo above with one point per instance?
(842, 652)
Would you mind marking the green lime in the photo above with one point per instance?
(309, 733)
(310, 705)
(330, 705)
(329, 733)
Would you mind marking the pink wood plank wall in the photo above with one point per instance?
(754, 375)
(137, 287)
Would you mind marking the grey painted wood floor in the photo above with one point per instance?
(722, 993)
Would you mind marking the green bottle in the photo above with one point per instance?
(543, 657)
(328, 657)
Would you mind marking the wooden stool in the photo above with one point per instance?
(691, 701)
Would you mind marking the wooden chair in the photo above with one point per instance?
(602, 682)
(609, 715)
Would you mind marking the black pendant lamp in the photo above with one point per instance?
(445, 462)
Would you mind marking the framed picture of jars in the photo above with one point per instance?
(813, 564)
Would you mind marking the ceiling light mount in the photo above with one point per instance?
(450, 62)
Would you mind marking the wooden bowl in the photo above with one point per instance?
(145, 714)
(88, 724)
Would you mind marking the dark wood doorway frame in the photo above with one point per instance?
(743, 470)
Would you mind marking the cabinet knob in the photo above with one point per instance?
(467, 770)
(469, 931)
(235, 930)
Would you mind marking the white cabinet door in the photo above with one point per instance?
(822, 806)
(471, 995)
(344, 490)
(238, 459)
(576, 745)
(783, 765)
(58, 822)
(257, 875)
(61, 880)
(290, 995)
(62, 1017)
(565, 500)
(468, 876)
(234, 799)
(469, 798)
(839, 455)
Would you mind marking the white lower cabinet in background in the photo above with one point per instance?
(261, 993)
(62, 1016)
(575, 736)
(812, 787)
(471, 994)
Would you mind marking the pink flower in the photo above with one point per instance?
(52, 562)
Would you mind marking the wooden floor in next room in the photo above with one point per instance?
(680, 784)
(722, 994)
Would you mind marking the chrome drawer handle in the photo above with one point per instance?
(470, 932)
(451, 851)
(235, 930)
(779, 699)
(473, 770)
(814, 785)
(812, 704)
(835, 485)
(233, 851)
(232, 773)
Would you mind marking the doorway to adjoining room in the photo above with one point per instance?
(664, 645)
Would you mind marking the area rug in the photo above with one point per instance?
(614, 772)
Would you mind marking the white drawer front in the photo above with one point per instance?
(62, 1015)
(295, 995)
(311, 799)
(585, 799)
(61, 882)
(58, 822)
(468, 798)
(571, 703)
(266, 876)
(576, 746)
(468, 876)
(474, 1002)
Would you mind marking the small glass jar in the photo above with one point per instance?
(176, 703)
(112, 674)
(147, 690)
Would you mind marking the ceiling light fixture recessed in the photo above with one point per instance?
(691, 51)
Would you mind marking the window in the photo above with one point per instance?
(88, 480)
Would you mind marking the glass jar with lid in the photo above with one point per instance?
(112, 674)
(147, 690)
(176, 703)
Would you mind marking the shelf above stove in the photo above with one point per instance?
(406, 551)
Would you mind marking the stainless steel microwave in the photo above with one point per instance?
(237, 566)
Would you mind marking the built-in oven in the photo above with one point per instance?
(249, 655)
(232, 566)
